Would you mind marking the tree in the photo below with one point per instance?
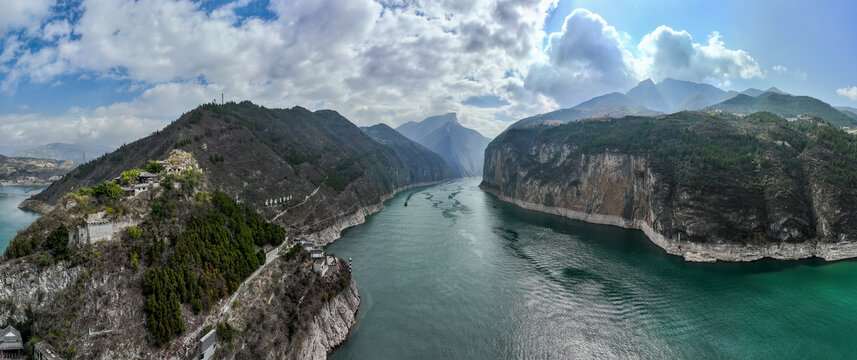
(57, 242)
(107, 191)
(130, 176)
(154, 167)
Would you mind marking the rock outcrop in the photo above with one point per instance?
(330, 326)
(781, 203)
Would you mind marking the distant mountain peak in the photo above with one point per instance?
(462, 148)
(671, 95)
(776, 91)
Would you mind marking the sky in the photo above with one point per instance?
(111, 71)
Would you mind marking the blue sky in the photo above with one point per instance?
(818, 38)
(110, 71)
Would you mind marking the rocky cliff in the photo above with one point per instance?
(736, 189)
(144, 296)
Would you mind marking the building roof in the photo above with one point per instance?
(10, 338)
(146, 174)
(47, 351)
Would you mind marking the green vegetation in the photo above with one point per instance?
(130, 177)
(343, 174)
(716, 152)
(57, 243)
(182, 143)
(23, 247)
(154, 167)
(207, 262)
(788, 106)
(105, 191)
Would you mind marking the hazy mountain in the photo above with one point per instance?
(673, 95)
(787, 106)
(847, 110)
(63, 151)
(407, 149)
(462, 148)
(752, 92)
(31, 171)
(610, 105)
(776, 91)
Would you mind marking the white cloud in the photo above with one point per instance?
(779, 68)
(669, 53)
(848, 92)
(374, 61)
(585, 59)
(23, 14)
(26, 130)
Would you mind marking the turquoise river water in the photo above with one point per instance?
(457, 274)
(12, 218)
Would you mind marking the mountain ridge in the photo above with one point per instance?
(461, 147)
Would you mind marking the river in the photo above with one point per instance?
(459, 274)
(11, 218)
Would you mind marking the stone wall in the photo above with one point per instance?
(100, 230)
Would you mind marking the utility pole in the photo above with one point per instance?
(221, 98)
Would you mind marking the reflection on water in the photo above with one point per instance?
(459, 274)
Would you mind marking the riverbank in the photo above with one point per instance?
(331, 233)
(696, 252)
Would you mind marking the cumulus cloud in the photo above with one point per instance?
(669, 53)
(24, 14)
(589, 58)
(848, 92)
(585, 59)
(374, 61)
(779, 68)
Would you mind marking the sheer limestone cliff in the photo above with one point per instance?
(736, 189)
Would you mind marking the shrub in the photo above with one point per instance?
(130, 176)
(154, 167)
(57, 242)
(134, 232)
(107, 191)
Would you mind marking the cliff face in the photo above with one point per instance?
(781, 207)
(330, 326)
(280, 317)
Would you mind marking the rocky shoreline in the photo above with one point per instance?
(696, 252)
(333, 232)
(331, 325)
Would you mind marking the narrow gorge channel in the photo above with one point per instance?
(460, 274)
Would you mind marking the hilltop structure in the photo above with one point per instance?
(11, 344)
